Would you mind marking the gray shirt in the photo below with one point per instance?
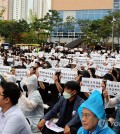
(13, 122)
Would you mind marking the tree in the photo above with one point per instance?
(32, 17)
(84, 26)
(51, 19)
(70, 25)
(116, 25)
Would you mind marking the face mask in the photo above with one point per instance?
(66, 95)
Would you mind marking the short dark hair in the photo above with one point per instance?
(38, 63)
(11, 90)
(73, 85)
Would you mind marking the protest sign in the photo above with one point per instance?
(21, 73)
(46, 75)
(117, 65)
(113, 88)
(4, 69)
(111, 61)
(102, 70)
(95, 55)
(98, 61)
(91, 84)
(1, 62)
(10, 60)
(63, 62)
(68, 76)
(81, 60)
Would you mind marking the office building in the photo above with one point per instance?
(20, 9)
(41, 7)
(80, 9)
(116, 5)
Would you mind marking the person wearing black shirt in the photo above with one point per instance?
(67, 108)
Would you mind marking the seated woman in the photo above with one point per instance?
(31, 102)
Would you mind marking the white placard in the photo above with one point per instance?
(111, 61)
(4, 69)
(68, 76)
(117, 66)
(6, 47)
(26, 54)
(1, 62)
(21, 73)
(10, 60)
(91, 84)
(113, 88)
(63, 62)
(81, 61)
(102, 70)
(46, 75)
(98, 61)
(53, 62)
(98, 56)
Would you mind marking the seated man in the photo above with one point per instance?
(92, 115)
(12, 120)
(67, 108)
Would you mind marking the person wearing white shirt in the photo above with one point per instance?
(12, 120)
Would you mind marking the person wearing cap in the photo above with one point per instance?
(92, 115)
(67, 108)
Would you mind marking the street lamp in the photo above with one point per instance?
(113, 21)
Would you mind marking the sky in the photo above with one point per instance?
(30, 3)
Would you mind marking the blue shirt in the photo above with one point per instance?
(13, 122)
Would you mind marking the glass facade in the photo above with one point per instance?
(74, 32)
(91, 14)
(116, 5)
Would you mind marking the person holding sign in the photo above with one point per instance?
(112, 102)
(31, 102)
(67, 108)
(110, 112)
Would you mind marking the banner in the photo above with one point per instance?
(46, 75)
(113, 88)
(91, 84)
(68, 76)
